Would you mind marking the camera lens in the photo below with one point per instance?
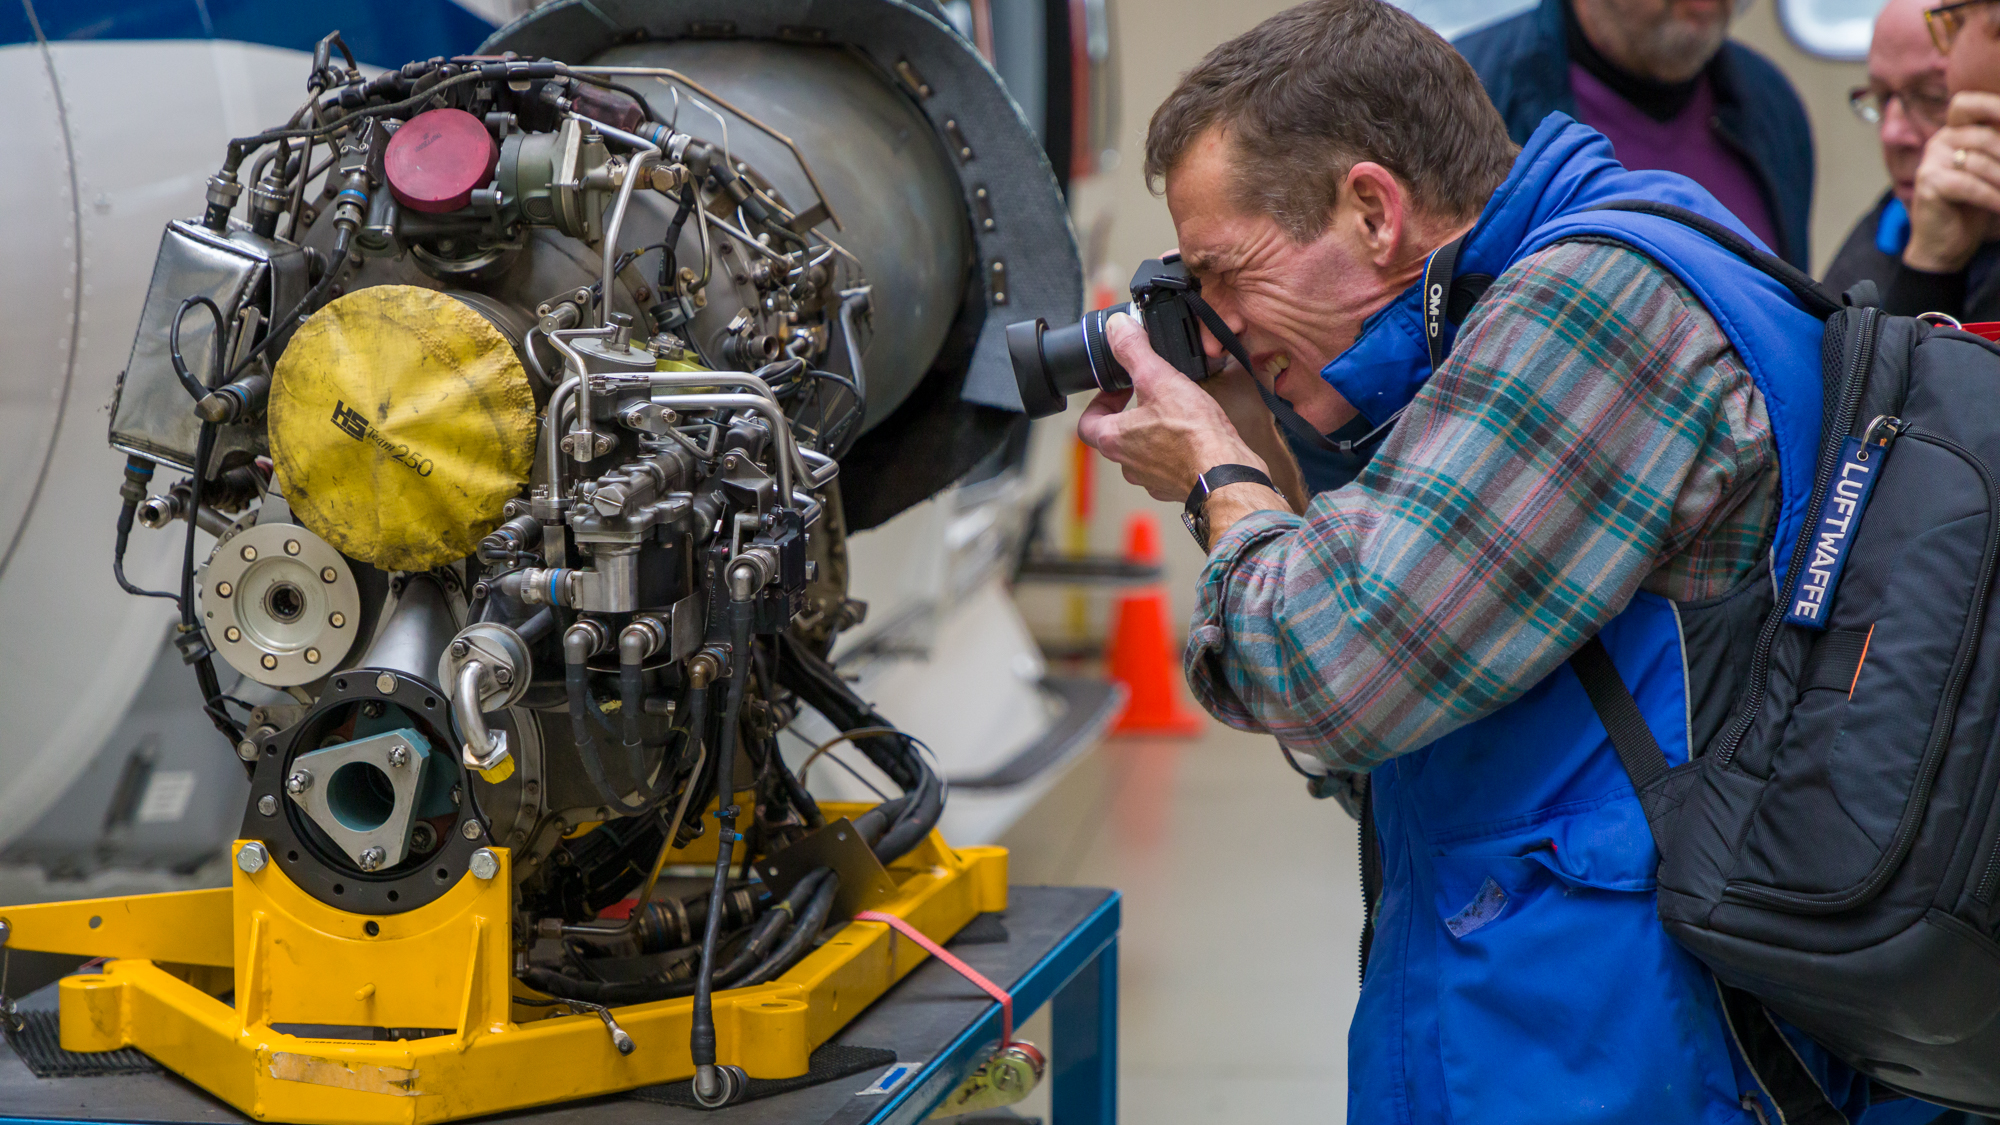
(1050, 364)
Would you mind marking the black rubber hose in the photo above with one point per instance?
(583, 709)
(138, 473)
(903, 821)
(815, 681)
(916, 821)
(631, 710)
(538, 626)
(800, 941)
(810, 901)
(613, 993)
(336, 259)
(776, 922)
(218, 342)
(701, 1039)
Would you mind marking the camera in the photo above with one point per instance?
(1050, 364)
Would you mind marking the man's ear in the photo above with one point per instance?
(1381, 210)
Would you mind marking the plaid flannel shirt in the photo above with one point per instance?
(1593, 433)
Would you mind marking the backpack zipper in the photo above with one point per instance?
(1985, 892)
(1927, 770)
(1843, 421)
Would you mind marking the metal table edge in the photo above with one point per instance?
(948, 1067)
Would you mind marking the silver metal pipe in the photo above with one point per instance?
(552, 429)
(664, 73)
(647, 155)
(851, 299)
(740, 379)
(483, 749)
(745, 238)
(781, 430)
(820, 469)
(580, 374)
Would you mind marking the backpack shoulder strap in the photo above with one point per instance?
(1447, 298)
(1793, 1090)
(1818, 299)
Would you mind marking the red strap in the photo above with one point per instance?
(964, 970)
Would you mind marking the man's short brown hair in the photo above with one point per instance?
(1316, 89)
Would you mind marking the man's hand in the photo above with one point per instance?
(1237, 392)
(1166, 431)
(1956, 204)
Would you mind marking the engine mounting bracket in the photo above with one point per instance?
(441, 976)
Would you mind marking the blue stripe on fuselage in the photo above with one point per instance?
(380, 32)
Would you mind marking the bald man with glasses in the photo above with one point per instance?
(1905, 99)
(1950, 259)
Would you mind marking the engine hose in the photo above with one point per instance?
(612, 993)
(537, 627)
(578, 643)
(191, 640)
(673, 923)
(816, 682)
(701, 1038)
(907, 819)
(343, 242)
(775, 922)
(802, 936)
(631, 711)
(916, 821)
(801, 800)
(138, 473)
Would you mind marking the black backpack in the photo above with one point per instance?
(1832, 853)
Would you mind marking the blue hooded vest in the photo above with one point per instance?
(1519, 973)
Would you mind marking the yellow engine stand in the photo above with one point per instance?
(446, 965)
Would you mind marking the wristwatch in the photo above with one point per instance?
(1195, 512)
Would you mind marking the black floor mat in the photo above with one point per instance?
(39, 1045)
(831, 1061)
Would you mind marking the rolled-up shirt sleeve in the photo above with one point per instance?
(1593, 433)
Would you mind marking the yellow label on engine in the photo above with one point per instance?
(401, 423)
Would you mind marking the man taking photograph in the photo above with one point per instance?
(1628, 417)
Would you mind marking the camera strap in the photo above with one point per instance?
(1437, 286)
(1299, 428)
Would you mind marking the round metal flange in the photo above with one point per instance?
(280, 604)
(304, 856)
(497, 647)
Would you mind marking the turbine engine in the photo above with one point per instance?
(528, 405)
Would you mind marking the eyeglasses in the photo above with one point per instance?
(1926, 111)
(1946, 21)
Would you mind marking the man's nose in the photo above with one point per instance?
(1898, 128)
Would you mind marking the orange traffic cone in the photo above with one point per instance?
(1142, 655)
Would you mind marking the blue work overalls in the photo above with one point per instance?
(1519, 973)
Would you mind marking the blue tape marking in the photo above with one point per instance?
(1853, 482)
(891, 1078)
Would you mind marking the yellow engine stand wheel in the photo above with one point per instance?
(401, 423)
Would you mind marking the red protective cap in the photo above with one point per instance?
(436, 160)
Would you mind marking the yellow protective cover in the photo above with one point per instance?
(401, 423)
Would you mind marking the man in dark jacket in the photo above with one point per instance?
(1905, 100)
(1662, 81)
(1951, 263)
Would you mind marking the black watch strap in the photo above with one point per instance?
(1195, 512)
